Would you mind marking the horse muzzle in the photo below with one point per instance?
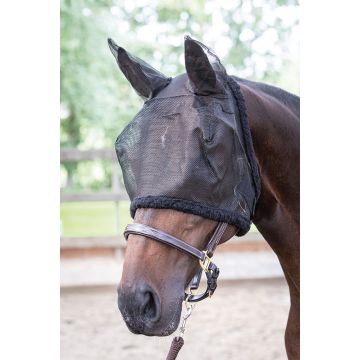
(144, 314)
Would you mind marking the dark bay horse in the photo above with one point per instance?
(155, 275)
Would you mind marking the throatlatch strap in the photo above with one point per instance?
(215, 239)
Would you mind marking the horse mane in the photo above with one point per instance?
(283, 96)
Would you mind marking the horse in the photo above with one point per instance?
(155, 275)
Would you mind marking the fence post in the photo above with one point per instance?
(115, 186)
(117, 220)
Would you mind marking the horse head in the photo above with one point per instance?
(186, 169)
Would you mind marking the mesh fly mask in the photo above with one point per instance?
(189, 149)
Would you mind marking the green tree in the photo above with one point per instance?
(252, 38)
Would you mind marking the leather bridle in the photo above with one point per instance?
(204, 257)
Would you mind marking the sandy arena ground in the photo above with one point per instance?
(244, 320)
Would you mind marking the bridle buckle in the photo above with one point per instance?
(206, 262)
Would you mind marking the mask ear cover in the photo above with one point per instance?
(145, 80)
(204, 69)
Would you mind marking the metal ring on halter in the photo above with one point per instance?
(212, 276)
(205, 263)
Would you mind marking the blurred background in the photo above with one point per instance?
(255, 39)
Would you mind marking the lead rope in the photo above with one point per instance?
(178, 341)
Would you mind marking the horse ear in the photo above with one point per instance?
(145, 80)
(204, 68)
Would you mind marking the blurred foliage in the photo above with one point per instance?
(253, 38)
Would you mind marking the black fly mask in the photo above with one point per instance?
(189, 148)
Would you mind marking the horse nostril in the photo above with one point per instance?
(149, 309)
(139, 306)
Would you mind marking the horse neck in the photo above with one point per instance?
(275, 132)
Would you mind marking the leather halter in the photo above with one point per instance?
(204, 257)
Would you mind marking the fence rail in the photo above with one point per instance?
(252, 241)
(115, 194)
(75, 155)
(93, 196)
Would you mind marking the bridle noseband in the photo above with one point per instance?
(204, 257)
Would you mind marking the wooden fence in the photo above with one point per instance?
(250, 242)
